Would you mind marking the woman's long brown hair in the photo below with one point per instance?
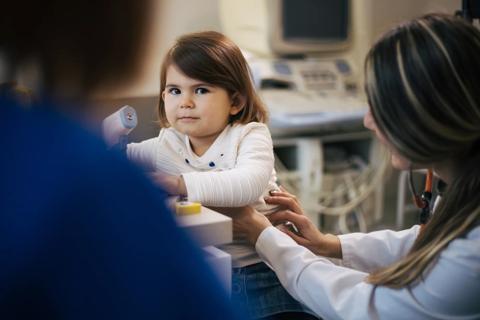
(424, 93)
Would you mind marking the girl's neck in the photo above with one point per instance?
(200, 146)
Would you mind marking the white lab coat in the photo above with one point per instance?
(449, 290)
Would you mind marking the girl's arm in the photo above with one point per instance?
(144, 153)
(246, 182)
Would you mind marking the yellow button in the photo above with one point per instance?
(187, 207)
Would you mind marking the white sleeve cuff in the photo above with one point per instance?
(346, 242)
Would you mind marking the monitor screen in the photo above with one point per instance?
(289, 27)
(315, 20)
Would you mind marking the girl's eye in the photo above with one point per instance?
(174, 91)
(201, 90)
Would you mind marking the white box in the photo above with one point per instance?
(221, 263)
(208, 228)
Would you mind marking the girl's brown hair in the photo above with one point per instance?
(423, 89)
(213, 58)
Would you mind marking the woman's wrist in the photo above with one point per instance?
(257, 225)
(330, 247)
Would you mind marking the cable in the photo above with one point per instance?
(357, 186)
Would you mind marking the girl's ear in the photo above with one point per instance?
(237, 103)
(163, 95)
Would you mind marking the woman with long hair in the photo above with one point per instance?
(424, 95)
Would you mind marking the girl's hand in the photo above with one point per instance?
(308, 234)
(249, 222)
(174, 185)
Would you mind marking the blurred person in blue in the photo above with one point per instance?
(83, 234)
(424, 95)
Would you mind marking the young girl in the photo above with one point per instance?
(215, 148)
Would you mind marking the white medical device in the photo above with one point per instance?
(117, 126)
(308, 95)
(285, 27)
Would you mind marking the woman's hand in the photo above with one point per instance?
(174, 185)
(249, 222)
(308, 234)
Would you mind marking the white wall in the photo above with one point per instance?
(176, 17)
(374, 17)
(172, 18)
(387, 13)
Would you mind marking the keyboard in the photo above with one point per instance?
(309, 111)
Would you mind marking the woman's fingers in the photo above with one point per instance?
(276, 193)
(279, 199)
(298, 239)
(286, 202)
(283, 193)
(278, 216)
(288, 215)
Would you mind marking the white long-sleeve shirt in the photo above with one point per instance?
(449, 290)
(237, 170)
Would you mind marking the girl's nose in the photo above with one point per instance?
(186, 103)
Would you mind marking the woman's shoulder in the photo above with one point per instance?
(472, 238)
(466, 249)
(453, 280)
(474, 233)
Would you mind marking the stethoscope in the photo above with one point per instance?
(423, 200)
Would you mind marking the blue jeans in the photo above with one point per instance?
(257, 289)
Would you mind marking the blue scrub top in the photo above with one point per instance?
(84, 235)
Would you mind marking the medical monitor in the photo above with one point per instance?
(287, 27)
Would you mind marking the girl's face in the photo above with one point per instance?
(399, 162)
(197, 109)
